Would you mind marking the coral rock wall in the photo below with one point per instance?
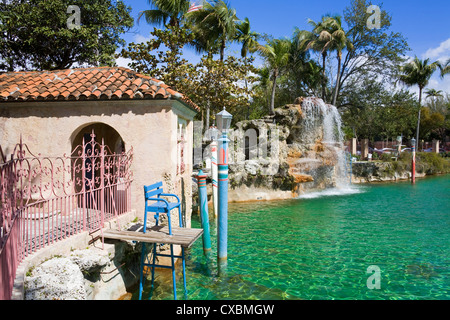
(295, 151)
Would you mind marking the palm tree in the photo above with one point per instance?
(249, 41)
(214, 26)
(166, 12)
(276, 52)
(312, 40)
(445, 68)
(433, 93)
(313, 76)
(418, 72)
(247, 37)
(264, 83)
(335, 39)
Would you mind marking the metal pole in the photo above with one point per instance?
(214, 176)
(203, 199)
(222, 232)
(413, 166)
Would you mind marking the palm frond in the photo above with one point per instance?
(156, 17)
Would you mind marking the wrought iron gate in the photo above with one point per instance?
(46, 199)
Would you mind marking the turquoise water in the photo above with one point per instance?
(320, 247)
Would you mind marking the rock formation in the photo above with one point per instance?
(298, 149)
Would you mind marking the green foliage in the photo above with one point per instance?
(276, 53)
(418, 72)
(430, 124)
(166, 12)
(247, 37)
(386, 157)
(445, 68)
(214, 26)
(155, 59)
(426, 162)
(327, 36)
(211, 84)
(377, 53)
(376, 113)
(433, 163)
(35, 34)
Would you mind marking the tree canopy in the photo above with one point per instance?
(34, 34)
(338, 58)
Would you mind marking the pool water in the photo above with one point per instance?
(321, 246)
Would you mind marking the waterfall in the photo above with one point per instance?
(322, 130)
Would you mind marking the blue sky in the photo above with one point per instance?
(425, 24)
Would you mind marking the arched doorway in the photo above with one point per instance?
(100, 169)
(102, 132)
(251, 144)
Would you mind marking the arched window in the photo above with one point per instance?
(251, 144)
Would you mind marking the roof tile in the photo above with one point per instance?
(98, 83)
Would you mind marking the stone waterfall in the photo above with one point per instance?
(318, 141)
(309, 156)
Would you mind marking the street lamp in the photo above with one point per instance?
(413, 165)
(223, 122)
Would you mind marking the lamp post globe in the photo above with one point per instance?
(224, 120)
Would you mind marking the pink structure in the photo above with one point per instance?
(47, 199)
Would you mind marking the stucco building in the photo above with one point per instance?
(52, 111)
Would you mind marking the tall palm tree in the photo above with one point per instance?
(335, 39)
(166, 12)
(214, 25)
(276, 53)
(247, 37)
(312, 40)
(249, 40)
(418, 72)
(445, 68)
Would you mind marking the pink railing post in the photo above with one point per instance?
(83, 182)
(102, 187)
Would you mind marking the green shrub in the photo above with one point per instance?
(386, 157)
(433, 162)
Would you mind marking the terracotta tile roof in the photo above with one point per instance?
(98, 83)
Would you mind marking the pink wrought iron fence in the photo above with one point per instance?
(47, 199)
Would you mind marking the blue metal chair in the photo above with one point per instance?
(154, 203)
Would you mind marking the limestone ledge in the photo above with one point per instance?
(373, 171)
(249, 194)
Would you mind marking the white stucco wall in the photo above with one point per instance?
(148, 126)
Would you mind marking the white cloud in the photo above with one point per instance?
(436, 82)
(440, 53)
(123, 62)
(139, 38)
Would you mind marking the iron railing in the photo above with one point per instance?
(44, 200)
